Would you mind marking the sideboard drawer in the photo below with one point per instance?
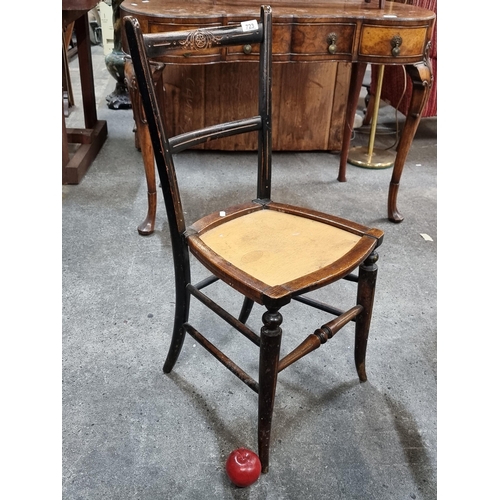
(281, 45)
(392, 42)
(322, 40)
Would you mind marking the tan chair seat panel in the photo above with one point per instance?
(277, 247)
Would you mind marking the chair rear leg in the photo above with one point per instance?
(246, 309)
(268, 376)
(178, 334)
(366, 294)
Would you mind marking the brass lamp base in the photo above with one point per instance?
(380, 158)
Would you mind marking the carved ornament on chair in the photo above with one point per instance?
(199, 40)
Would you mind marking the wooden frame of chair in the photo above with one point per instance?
(331, 248)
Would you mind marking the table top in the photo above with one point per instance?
(291, 9)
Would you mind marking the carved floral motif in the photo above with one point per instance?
(198, 40)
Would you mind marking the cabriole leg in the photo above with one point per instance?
(144, 142)
(421, 76)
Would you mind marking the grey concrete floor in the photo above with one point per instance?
(130, 431)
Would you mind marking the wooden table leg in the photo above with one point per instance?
(65, 148)
(92, 137)
(86, 71)
(421, 76)
(143, 139)
(357, 75)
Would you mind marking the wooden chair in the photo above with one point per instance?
(270, 252)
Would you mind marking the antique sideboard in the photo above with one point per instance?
(320, 53)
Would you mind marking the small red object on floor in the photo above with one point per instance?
(243, 467)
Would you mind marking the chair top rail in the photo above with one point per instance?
(199, 39)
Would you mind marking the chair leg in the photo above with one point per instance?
(268, 376)
(178, 334)
(366, 295)
(246, 309)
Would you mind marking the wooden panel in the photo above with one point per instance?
(231, 93)
(309, 114)
(339, 106)
(184, 88)
(303, 109)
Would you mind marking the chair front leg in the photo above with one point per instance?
(268, 376)
(366, 294)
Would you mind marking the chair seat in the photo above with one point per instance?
(282, 250)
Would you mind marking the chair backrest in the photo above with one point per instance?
(146, 48)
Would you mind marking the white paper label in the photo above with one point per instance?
(250, 25)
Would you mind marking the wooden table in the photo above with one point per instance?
(320, 53)
(92, 137)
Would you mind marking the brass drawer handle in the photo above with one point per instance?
(396, 43)
(247, 49)
(332, 41)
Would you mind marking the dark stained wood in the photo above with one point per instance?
(67, 87)
(90, 142)
(314, 45)
(91, 138)
(320, 336)
(358, 71)
(79, 5)
(270, 335)
(366, 295)
(242, 245)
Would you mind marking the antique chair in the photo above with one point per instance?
(269, 252)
